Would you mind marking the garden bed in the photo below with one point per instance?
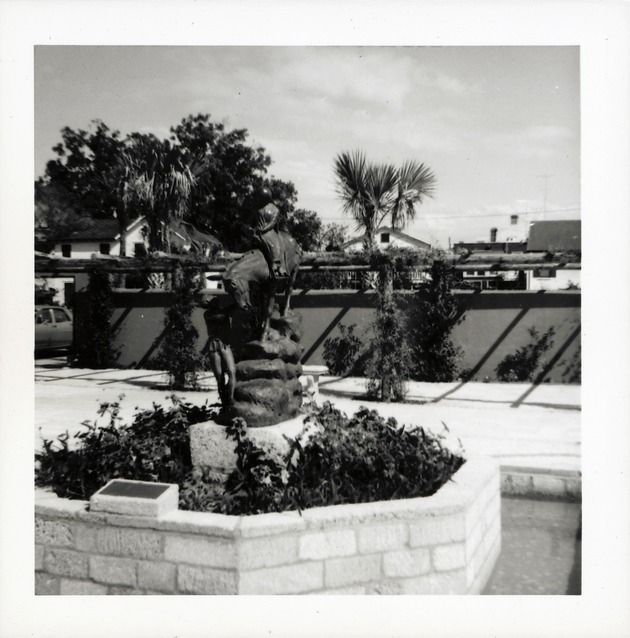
(446, 543)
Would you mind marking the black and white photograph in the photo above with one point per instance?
(308, 321)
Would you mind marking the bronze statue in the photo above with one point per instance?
(269, 241)
(217, 349)
(278, 258)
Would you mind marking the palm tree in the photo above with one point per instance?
(415, 181)
(372, 192)
(160, 178)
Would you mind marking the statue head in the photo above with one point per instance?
(238, 289)
(261, 198)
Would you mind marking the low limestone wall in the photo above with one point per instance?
(444, 544)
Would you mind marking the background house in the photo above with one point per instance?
(103, 237)
(562, 238)
(386, 237)
(557, 239)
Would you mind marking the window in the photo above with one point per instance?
(66, 250)
(60, 315)
(384, 238)
(545, 273)
(43, 316)
(139, 250)
(104, 249)
(513, 220)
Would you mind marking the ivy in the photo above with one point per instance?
(179, 355)
(95, 349)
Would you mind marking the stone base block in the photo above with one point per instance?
(138, 498)
(210, 447)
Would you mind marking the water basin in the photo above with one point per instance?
(541, 548)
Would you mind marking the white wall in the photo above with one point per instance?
(398, 242)
(85, 249)
(560, 282)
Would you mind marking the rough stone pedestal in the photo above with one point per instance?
(268, 388)
(211, 449)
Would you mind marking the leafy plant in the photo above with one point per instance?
(341, 353)
(154, 447)
(387, 368)
(95, 349)
(335, 460)
(434, 355)
(179, 355)
(523, 364)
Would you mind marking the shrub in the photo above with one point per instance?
(179, 355)
(155, 447)
(523, 364)
(368, 458)
(387, 368)
(435, 357)
(95, 350)
(335, 460)
(341, 353)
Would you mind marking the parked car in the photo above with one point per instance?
(53, 328)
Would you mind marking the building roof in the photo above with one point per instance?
(552, 236)
(497, 246)
(182, 234)
(417, 243)
(105, 230)
(98, 230)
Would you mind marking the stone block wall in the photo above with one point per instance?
(444, 544)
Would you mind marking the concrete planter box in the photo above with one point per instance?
(447, 543)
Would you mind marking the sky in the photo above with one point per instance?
(498, 126)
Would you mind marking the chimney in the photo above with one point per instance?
(493, 235)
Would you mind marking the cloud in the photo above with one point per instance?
(536, 141)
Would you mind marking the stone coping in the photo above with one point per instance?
(454, 496)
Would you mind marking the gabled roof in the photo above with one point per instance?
(550, 236)
(418, 243)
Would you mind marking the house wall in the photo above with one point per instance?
(85, 249)
(563, 279)
(398, 242)
(447, 543)
(495, 324)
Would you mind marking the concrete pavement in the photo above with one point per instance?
(533, 431)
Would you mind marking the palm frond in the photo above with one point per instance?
(415, 181)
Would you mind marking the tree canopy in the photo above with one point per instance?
(204, 174)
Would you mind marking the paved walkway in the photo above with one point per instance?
(531, 430)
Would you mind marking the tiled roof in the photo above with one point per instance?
(555, 235)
